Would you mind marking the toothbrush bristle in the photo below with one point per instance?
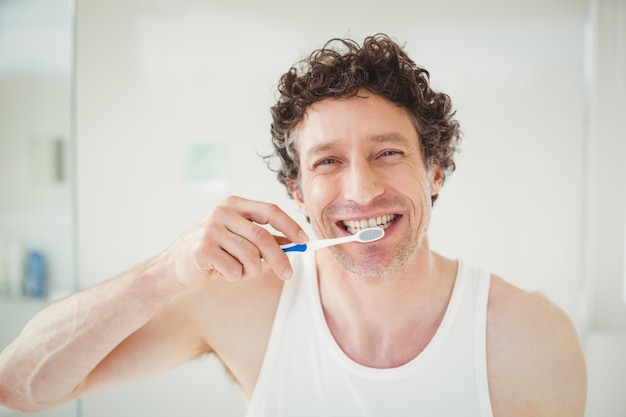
(371, 234)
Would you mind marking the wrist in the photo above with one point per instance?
(156, 277)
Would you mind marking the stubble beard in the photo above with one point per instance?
(376, 264)
(375, 267)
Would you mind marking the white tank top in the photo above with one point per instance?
(305, 372)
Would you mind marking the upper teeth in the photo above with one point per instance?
(384, 221)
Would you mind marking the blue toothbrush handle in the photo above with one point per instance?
(293, 247)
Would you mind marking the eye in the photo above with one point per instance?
(390, 153)
(324, 163)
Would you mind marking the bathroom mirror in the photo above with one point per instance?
(37, 233)
(166, 88)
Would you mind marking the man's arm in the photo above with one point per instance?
(55, 358)
(139, 324)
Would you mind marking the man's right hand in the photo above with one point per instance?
(231, 243)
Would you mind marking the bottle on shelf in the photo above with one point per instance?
(36, 277)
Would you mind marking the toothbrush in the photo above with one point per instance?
(366, 235)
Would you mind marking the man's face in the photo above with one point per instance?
(362, 166)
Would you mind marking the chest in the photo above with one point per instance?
(306, 369)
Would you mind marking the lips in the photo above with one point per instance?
(354, 226)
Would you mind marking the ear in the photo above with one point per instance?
(436, 180)
(296, 193)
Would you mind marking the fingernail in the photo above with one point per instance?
(288, 273)
(303, 236)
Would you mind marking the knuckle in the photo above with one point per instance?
(249, 254)
(262, 236)
(233, 271)
(209, 236)
(272, 209)
(217, 212)
(251, 269)
(231, 200)
(205, 248)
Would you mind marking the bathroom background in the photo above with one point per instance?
(124, 121)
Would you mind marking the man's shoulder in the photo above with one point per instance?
(510, 302)
(534, 353)
(517, 313)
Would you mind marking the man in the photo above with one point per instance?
(381, 328)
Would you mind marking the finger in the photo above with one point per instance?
(235, 246)
(281, 240)
(211, 258)
(254, 242)
(246, 255)
(269, 213)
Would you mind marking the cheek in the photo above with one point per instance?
(318, 195)
(417, 188)
(408, 181)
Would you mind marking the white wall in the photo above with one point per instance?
(157, 77)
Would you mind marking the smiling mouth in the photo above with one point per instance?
(354, 226)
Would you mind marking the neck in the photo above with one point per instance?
(385, 322)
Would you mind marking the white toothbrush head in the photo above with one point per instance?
(370, 234)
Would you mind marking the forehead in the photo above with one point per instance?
(360, 119)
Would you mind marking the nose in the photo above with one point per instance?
(361, 183)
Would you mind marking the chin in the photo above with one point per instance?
(373, 265)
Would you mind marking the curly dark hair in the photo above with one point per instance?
(341, 69)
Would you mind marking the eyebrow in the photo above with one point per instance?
(393, 138)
